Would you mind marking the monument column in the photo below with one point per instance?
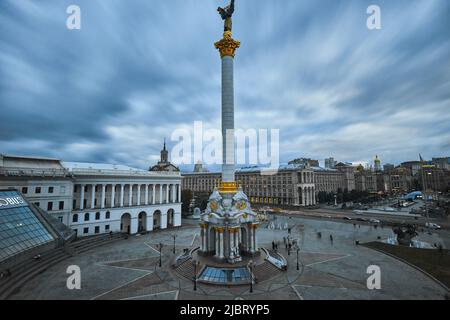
(227, 47)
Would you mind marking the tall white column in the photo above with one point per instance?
(217, 242)
(130, 196)
(138, 194)
(153, 193)
(102, 205)
(179, 193)
(146, 194)
(174, 193)
(167, 192)
(92, 196)
(160, 193)
(121, 194)
(113, 195)
(221, 244)
(82, 197)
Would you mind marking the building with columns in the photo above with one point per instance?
(94, 198)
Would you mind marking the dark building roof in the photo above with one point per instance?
(24, 227)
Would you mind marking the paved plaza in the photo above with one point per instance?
(129, 269)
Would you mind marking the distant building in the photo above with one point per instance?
(441, 163)
(401, 180)
(307, 162)
(433, 179)
(413, 166)
(348, 172)
(330, 163)
(291, 185)
(200, 168)
(377, 164)
(388, 167)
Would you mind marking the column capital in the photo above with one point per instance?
(227, 45)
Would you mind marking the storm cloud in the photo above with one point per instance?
(137, 70)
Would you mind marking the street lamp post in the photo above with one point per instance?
(195, 274)
(174, 237)
(250, 264)
(298, 249)
(160, 254)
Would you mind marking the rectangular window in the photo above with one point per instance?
(60, 219)
(37, 204)
(50, 206)
(107, 227)
(75, 189)
(24, 190)
(50, 189)
(38, 190)
(74, 204)
(85, 230)
(61, 205)
(97, 229)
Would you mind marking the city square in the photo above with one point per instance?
(317, 167)
(129, 269)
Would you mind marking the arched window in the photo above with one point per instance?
(75, 218)
(86, 216)
(107, 215)
(97, 216)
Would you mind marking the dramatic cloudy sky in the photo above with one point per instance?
(139, 69)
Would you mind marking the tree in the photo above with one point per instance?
(186, 197)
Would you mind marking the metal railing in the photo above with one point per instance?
(33, 172)
(139, 173)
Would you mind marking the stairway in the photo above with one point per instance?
(265, 271)
(186, 269)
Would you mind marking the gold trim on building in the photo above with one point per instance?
(228, 187)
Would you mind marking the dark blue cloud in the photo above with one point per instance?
(137, 70)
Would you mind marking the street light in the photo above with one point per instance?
(196, 263)
(250, 265)
(174, 237)
(160, 254)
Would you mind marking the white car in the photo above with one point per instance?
(374, 220)
(432, 225)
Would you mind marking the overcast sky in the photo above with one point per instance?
(137, 70)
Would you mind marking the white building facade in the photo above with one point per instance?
(97, 198)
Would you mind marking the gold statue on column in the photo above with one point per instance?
(226, 14)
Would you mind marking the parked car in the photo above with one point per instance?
(374, 220)
(432, 225)
(347, 218)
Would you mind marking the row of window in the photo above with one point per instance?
(38, 190)
(87, 216)
(50, 205)
(96, 229)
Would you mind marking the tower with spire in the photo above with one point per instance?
(377, 164)
(164, 163)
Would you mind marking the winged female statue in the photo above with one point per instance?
(226, 14)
